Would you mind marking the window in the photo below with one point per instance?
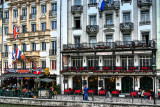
(108, 2)
(5, 64)
(77, 61)
(109, 19)
(24, 29)
(33, 27)
(43, 46)
(43, 26)
(15, 65)
(33, 10)
(77, 22)
(92, 62)
(15, 13)
(126, 61)
(54, 48)
(14, 46)
(92, 41)
(23, 65)
(77, 41)
(93, 20)
(145, 61)
(6, 30)
(33, 65)
(33, 46)
(109, 38)
(109, 61)
(24, 12)
(126, 17)
(126, 38)
(43, 9)
(54, 7)
(92, 1)
(43, 64)
(145, 37)
(24, 47)
(54, 24)
(77, 2)
(144, 16)
(6, 48)
(7, 15)
(54, 64)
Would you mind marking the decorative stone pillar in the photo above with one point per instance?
(28, 12)
(10, 20)
(47, 15)
(19, 15)
(37, 17)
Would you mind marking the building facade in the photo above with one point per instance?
(38, 36)
(114, 48)
(1, 16)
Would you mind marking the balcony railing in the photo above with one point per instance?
(4, 54)
(114, 5)
(52, 52)
(52, 13)
(128, 26)
(110, 45)
(32, 16)
(92, 29)
(5, 20)
(22, 17)
(126, 1)
(32, 53)
(145, 22)
(76, 9)
(142, 3)
(92, 4)
(108, 25)
(110, 69)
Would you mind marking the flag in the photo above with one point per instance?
(18, 53)
(14, 55)
(15, 31)
(101, 4)
(22, 55)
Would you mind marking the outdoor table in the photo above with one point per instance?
(147, 94)
(115, 92)
(133, 93)
(77, 91)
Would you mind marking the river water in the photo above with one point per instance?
(7, 105)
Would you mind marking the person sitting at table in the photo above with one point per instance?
(142, 94)
(152, 93)
(102, 89)
(3, 89)
(25, 90)
(139, 92)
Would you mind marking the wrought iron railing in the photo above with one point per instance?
(128, 26)
(22, 17)
(52, 52)
(52, 13)
(32, 16)
(92, 4)
(5, 20)
(144, 3)
(4, 54)
(112, 6)
(76, 9)
(92, 29)
(144, 22)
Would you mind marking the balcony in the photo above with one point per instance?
(52, 13)
(5, 20)
(145, 23)
(126, 1)
(142, 3)
(92, 29)
(77, 9)
(110, 69)
(128, 26)
(32, 53)
(113, 6)
(52, 52)
(109, 25)
(4, 54)
(32, 16)
(109, 46)
(23, 17)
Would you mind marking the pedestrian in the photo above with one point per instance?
(142, 94)
(85, 93)
(139, 92)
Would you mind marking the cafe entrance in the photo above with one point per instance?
(77, 82)
(93, 83)
(110, 83)
(127, 84)
(146, 83)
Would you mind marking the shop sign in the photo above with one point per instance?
(27, 78)
(23, 71)
(47, 71)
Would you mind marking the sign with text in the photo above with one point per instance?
(47, 71)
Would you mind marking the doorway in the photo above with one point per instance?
(127, 84)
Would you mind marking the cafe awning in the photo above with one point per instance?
(45, 80)
(22, 75)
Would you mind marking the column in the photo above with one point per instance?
(10, 20)
(19, 15)
(37, 17)
(47, 15)
(28, 13)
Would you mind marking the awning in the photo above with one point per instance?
(45, 80)
(22, 75)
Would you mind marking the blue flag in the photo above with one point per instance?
(102, 5)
